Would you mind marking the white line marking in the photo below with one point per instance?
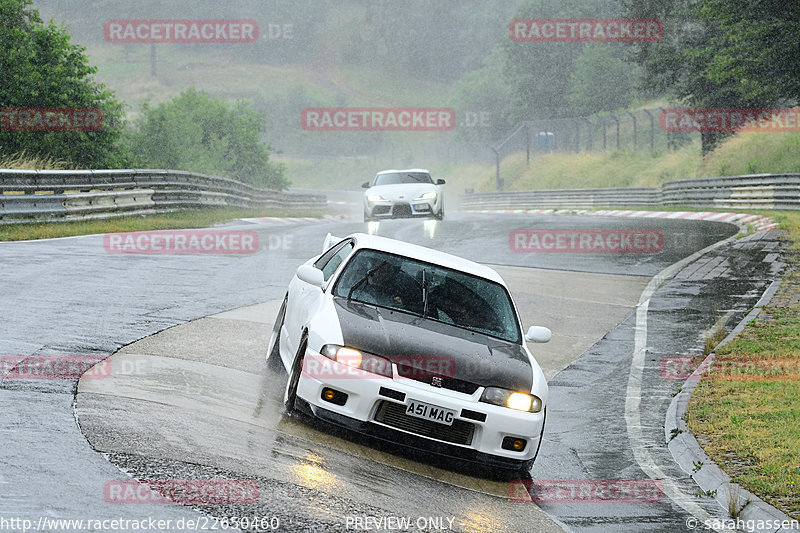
(633, 394)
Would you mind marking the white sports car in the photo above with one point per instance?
(414, 346)
(403, 193)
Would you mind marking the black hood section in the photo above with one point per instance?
(458, 353)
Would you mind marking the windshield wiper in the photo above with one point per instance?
(360, 282)
(424, 295)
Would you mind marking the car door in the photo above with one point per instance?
(305, 299)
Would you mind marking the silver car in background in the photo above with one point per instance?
(403, 193)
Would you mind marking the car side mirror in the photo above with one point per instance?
(538, 334)
(311, 275)
(440, 181)
(365, 185)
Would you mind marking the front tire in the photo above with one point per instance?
(290, 398)
(440, 215)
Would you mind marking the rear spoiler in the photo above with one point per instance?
(330, 240)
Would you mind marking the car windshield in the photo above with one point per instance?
(393, 178)
(435, 292)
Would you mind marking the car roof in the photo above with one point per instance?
(404, 170)
(426, 254)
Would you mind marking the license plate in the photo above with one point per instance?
(430, 412)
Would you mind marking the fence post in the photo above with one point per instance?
(634, 128)
(652, 130)
(590, 146)
(497, 181)
(604, 133)
(527, 146)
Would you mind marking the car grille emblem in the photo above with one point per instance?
(436, 381)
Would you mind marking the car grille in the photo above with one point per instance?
(401, 210)
(394, 415)
(453, 384)
(381, 209)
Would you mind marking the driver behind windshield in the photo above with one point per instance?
(388, 286)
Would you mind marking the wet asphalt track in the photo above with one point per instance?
(69, 297)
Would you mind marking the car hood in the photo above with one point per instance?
(402, 191)
(459, 353)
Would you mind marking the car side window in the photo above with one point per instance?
(333, 258)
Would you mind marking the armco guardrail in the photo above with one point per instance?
(30, 195)
(755, 191)
(577, 198)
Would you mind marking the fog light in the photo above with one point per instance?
(334, 396)
(515, 444)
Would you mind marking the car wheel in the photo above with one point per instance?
(440, 214)
(290, 398)
(274, 346)
(367, 218)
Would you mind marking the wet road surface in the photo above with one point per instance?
(91, 302)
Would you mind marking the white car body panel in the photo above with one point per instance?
(312, 309)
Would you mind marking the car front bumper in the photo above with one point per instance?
(400, 209)
(376, 404)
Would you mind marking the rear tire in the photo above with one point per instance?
(290, 398)
(274, 361)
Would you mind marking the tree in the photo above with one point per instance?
(480, 92)
(690, 63)
(40, 68)
(601, 81)
(541, 74)
(199, 133)
(760, 51)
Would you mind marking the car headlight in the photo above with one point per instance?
(375, 198)
(430, 195)
(357, 359)
(520, 401)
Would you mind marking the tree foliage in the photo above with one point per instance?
(41, 68)
(199, 133)
(721, 53)
(562, 79)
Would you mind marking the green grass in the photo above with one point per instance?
(751, 427)
(744, 153)
(200, 218)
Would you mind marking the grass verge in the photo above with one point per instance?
(199, 218)
(751, 427)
